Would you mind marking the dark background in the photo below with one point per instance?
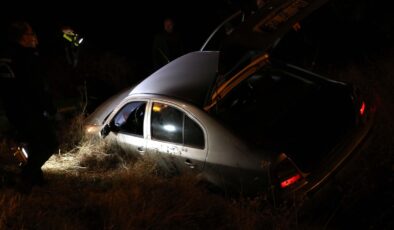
(128, 28)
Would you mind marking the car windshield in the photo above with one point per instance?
(257, 107)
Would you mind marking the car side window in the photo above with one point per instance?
(193, 134)
(167, 123)
(171, 124)
(130, 119)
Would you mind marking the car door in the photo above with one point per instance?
(129, 125)
(176, 139)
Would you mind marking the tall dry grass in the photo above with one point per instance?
(98, 186)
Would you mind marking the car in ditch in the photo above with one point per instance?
(238, 118)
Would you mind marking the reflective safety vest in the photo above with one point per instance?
(73, 38)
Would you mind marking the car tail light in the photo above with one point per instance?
(287, 174)
(290, 181)
(362, 108)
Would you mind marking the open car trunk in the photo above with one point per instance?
(274, 105)
(288, 110)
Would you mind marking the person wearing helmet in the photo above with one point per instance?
(72, 41)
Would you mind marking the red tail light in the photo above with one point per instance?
(362, 108)
(290, 181)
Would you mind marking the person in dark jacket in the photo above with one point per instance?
(167, 45)
(26, 100)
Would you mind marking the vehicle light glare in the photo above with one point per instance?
(90, 129)
(169, 128)
(290, 181)
(156, 108)
(362, 108)
(24, 152)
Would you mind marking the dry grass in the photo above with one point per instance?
(98, 186)
(94, 187)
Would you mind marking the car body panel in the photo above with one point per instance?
(131, 143)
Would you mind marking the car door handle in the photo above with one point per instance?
(189, 163)
(140, 148)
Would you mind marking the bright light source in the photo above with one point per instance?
(170, 128)
(80, 40)
(156, 108)
(362, 108)
(90, 129)
(290, 181)
(25, 152)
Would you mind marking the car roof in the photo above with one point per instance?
(189, 77)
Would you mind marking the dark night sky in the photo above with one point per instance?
(128, 28)
(119, 24)
(115, 24)
(125, 28)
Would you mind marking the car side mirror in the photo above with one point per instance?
(105, 130)
(110, 127)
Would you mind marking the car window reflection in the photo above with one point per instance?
(172, 125)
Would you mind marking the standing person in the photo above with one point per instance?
(71, 45)
(26, 101)
(167, 45)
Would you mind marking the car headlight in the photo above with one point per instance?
(92, 129)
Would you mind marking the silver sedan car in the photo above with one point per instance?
(259, 125)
